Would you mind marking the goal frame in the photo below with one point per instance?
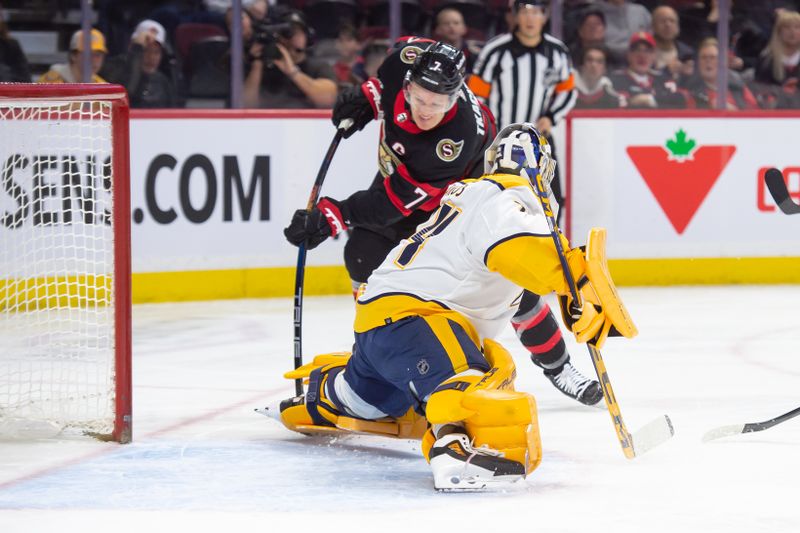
(117, 96)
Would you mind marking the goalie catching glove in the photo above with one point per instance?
(325, 220)
(601, 312)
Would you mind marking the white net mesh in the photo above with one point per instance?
(56, 268)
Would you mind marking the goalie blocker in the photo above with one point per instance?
(602, 313)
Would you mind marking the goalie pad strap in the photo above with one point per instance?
(317, 382)
(453, 385)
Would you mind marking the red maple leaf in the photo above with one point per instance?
(680, 185)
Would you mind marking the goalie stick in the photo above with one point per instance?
(780, 193)
(299, 274)
(655, 432)
(736, 429)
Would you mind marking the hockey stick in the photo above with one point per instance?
(653, 433)
(302, 249)
(780, 193)
(728, 431)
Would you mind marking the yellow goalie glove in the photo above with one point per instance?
(601, 313)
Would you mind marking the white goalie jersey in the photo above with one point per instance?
(488, 240)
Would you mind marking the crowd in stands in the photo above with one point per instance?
(299, 53)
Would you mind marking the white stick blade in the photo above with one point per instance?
(652, 434)
(723, 431)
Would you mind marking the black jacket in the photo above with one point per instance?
(144, 90)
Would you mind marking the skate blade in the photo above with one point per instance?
(272, 412)
(476, 484)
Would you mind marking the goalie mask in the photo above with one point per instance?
(520, 149)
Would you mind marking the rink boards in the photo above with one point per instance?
(683, 194)
(211, 192)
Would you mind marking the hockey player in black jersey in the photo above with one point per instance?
(434, 131)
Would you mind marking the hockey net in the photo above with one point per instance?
(65, 342)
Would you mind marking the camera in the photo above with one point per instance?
(267, 34)
(279, 23)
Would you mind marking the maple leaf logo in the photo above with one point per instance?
(680, 174)
(680, 147)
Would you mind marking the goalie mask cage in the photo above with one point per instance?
(65, 306)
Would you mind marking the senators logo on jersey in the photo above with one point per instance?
(409, 54)
(448, 150)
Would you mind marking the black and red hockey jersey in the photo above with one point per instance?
(417, 166)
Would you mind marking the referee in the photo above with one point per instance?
(526, 76)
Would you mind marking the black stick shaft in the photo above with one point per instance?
(544, 198)
(760, 426)
(301, 257)
(780, 192)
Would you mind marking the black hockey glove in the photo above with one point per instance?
(324, 221)
(351, 103)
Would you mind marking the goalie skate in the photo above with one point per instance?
(458, 466)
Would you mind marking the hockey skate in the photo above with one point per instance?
(458, 466)
(571, 382)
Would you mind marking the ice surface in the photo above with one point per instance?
(202, 460)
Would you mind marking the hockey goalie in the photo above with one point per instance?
(424, 363)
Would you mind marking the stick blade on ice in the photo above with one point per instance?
(652, 434)
(723, 431)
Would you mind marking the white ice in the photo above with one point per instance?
(202, 460)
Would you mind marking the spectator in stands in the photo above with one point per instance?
(623, 19)
(13, 63)
(753, 23)
(253, 12)
(780, 59)
(371, 58)
(702, 86)
(348, 49)
(639, 84)
(745, 44)
(138, 70)
(281, 75)
(449, 27)
(594, 88)
(590, 32)
(72, 71)
(673, 57)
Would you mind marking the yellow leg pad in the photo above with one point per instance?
(446, 405)
(428, 439)
(297, 419)
(409, 426)
(503, 371)
(333, 359)
(506, 421)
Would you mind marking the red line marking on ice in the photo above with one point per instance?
(211, 414)
(157, 433)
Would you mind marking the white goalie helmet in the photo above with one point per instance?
(518, 149)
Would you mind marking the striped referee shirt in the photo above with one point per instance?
(523, 84)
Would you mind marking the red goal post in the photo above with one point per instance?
(65, 263)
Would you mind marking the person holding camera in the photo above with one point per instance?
(280, 73)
